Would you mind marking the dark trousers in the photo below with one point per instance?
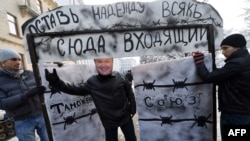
(127, 129)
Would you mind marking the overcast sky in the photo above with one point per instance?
(230, 10)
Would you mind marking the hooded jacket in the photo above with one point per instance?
(112, 95)
(233, 81)
(13, 87)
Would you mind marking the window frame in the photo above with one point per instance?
(12, 24)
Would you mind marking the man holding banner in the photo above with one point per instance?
(233, 81)
(19, 97)
(112, 95)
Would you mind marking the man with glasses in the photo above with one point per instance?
(19, 97)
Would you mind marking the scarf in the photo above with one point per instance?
(14, 74)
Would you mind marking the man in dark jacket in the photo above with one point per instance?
(112, 95)
(233, 81)
(129, 76)
(19, 97)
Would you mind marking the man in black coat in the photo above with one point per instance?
(129, 76)
(113, 97)
(233, 81)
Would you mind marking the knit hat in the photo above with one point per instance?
(234, 40)
(7, 53)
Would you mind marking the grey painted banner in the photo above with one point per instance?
(173, 103)
(120, 44)
(72, 118)
(123, 29)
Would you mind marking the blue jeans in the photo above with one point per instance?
(25, 129)
(127, 129)
(232, 119)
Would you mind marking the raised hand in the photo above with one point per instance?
(198, 58)
(52, 78)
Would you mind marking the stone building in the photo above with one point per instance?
(13, 14)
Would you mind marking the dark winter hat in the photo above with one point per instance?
(7, 53)
(234, 40)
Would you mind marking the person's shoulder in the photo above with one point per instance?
(92, 78)
(28, 71)
(116, 73)
(1, 71)
(119, 75)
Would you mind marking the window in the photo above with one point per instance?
(28, 2)
(12, 24)
(38, 5)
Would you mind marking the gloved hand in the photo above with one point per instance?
(36, 91)
(132, 108)
(52, 78)
(198, 58)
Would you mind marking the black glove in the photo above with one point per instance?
(198, 58)
(36, 91)
(132, 108)
(52, 78)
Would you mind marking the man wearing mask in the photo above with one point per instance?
(19, 97)
(233, 81)
(112, 94)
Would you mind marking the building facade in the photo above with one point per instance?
(14, 13)
(127, 64)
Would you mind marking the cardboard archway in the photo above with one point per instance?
(123, 29)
